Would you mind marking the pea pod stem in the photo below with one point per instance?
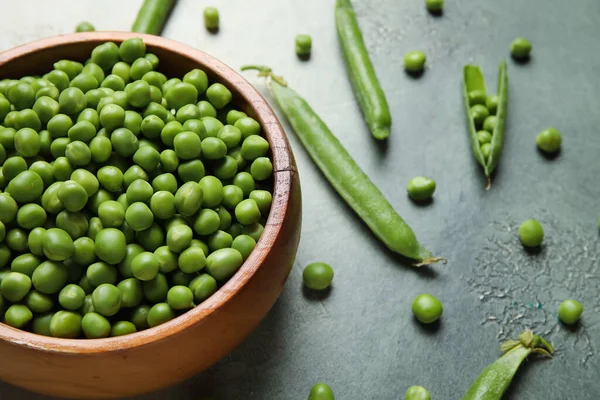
(351, 183)
(365, 84)
(152, 16)
(473, 81)
(496, 378)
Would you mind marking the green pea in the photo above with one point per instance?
(520, 48)
(95, 70)
(196, 126)
(131, 251)
(132, 49)
(139, 317)
(78, 153)
(71, 68)
(232, 196)
(15, 286)
(203, 286)
(253, 230)
(106, 55)
(94, 96)
(101, 272)
(17, 316)
(27, 119)
(139, 191)
(139, 68)
(166, 182)
(85, 82)
(84, 251)
(191, 260)
(212, 191)
(46, 108)
(155, 290)
(244, 181)
(191, 171)
(11, 119)
(434, 7)
(225, 218)
(549, 140)
(16, 239)
(138, 93)
(477, 97)
(44, 170)
(5, 107)
(188, 112)
(244, 244)
(427, 308)
(95, 226)
(25, 264)
(211, 18)
(26, 187)
(57, 244)
(569, 311)
(101, 148)
(490, 123)
(131, 292)
(531, 233)
(219, 240)
(110, 245)
(5, 255)
(112, 116)
(7, 138)
(247, 212)
(261, 168)
(72, 195)
(206, 222)
(231, 136)
(83, 131)
(124, 142)
(35, 240)
(162, 204)
(122, 328)
(169, 160)
(111, 178)
(74, 271)
(74, 223)
(179, 238)
(484, 137)
(167, 259)
(179, 94)
(321, 391)
(66, 324)
(263, 199)
(95, 326)
(198, 79)
(50, 276)
(218, 95)
(317, 276)
(71, 297)
(492, 103)
(122, 70)
(100, 197)
(22, 96)
(213, 148)
(486, 151)
(155, 79)
(188, 198)
(233, 116)
(151, 238)
(87, 180)
(225, 168)
(414, 61)
(420, 188)
(72, 100)
(59, 78)
(139, 216)
(169, 131)
(58, 147)
(303, 45)
(134, 173)
(223, 263)
(147, 157)
(49, 91)
(39, 302)
(479, 113)
(188, 146)
(133, 122)
(180, 298)
(159, 314)
(106, 299)
(145, 266)
(41, 324)
(45, 142)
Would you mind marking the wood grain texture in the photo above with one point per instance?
(167, 354)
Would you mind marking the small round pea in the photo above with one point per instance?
(39, 302)
(112, 116)
(427, 308)
(31, 216)
(417, 393)
(84, 26)
(203, 286)
(138, 93)
(490, 123)
(247, 212)
(207, 222)
(101, 272)
(179, 238)
(321, 391)
(25, 264)
(131, 292)
(479, 113)
(162, 204)
(477, 97)
(181, 94)
(192, 260)
(520, 48)
(167, 260)
(66, 324)
(156, 290)
(212, 126)
(188, 198)
(253, 230)
(95, 326)
(49, 277)
(134, 173)
(151, 238)
(218, 95)
(106, 55)
(187, 146)
(303, 45)
(230, 135)
(124, 142)
(484, 137)
(212, 191)
(110, 245)
(57, 244)
(569, 311)
(188, 112)
(219, 240)
(26, 187)
(122, 328)
(233, 116)
(41, 324)
(16, 239)
(106, 299)
(18, 316)
(84, 251)
(232, 196)
(132, 49)
(72, 195)
(531, 233)
(549, 140)
(244, 181)
(261, 168)
(15, 286)
(223, 263)
(159, 314)
(139, 216)
(213, 148)
(35, 239)
(244, 244)
(72, 100)
(75, 224)
(180, 298)
(254, 147)
(111, 178)
(139, 317)
(414, 61)
(145, 266)
(492, 103)
(317, 276)
(71, 297)
(421, 188)
(206, 110)
(101, 148)
(211, 18)
(434, 6)
(486, 151)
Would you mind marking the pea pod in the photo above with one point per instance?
(152, 16)
(366, 87)
(473, 82)
(351, 183)
(495, 379)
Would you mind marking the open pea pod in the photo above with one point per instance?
(473, 81)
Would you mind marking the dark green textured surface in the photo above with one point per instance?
(361, 337)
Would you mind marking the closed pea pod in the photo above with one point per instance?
(351, 183)
(367, 89)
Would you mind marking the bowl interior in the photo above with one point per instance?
(176, 59)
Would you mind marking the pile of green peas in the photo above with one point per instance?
(126, 198)
(483, 112)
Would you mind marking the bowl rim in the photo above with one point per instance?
(283, 163)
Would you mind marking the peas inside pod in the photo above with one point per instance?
(126, 197)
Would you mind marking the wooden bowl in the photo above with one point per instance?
(175, 351)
